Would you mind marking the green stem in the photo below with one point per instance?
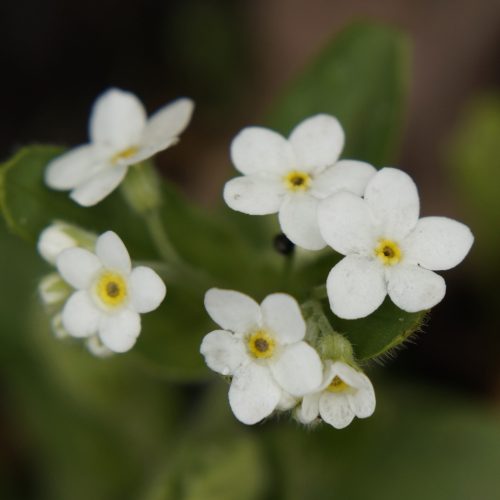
(160, 237)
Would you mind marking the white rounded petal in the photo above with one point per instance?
(146, 151)
(414, 288)
(362, 402)
(308, 411)
(349, 375)
(224, 353)
(393, 198)
(112, 252)
(78, 266)
(298, 218)
(335, 409)
(281, 314)
(80, 316)
(345, 175)
(74, 167)
(297, 369)
(233, 310)
(254, 195)
(438, 243)
(99, 186)
(147, 290)
(253, 394)
(168, 122)
(346, 224)
(317, 142)
(120, 330)
(260, 150)
(118, 119)
(356, 287)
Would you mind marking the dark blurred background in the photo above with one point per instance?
(232, 58)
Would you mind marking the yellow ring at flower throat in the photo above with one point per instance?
(297, 181)
(261, 345)
(388, 252)
(337, 385)
(123, 155)
(111, 289)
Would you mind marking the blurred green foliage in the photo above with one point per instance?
(120, 429)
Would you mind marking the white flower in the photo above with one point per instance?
(344, 394)
(388, 249)
(120, 136)
(262, 348)
(292, 176)
(109, 294)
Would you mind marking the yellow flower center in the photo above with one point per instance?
(111, 289)
(261, 345)
(297, 181)
(337, 385)
(123, 155)
(388, 252)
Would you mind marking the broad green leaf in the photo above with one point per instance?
(380, 332)
(361, 78)
(28, 206)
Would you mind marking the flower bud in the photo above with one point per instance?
(53, 289)
(59, 236)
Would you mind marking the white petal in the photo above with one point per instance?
(254, 195)
(168, 122)
(297, 369)
(393, 198)
(345, 175)
(73, 167)
(335, 409)
(80, 316)
(257, 149)
(146, 151)
(99, 186)
(317, 142)
(253, 394)
(362, 402)
(309, 409)
(118, 119)
(233, 310)
(120, 330)
(281, 314)
(224, 353)
(147, 290)
(356, 287)
(298, 218)
(349, 375)
(78, 267)
(346, 224)
(438, 243)
(112, 252)
(413, 288)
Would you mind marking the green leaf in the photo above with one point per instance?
(29, 206)
(377, 334)
(361, 78)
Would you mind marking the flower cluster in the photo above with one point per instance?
(267, 350)
(262, 348)
(370, 217)
(105, 295)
